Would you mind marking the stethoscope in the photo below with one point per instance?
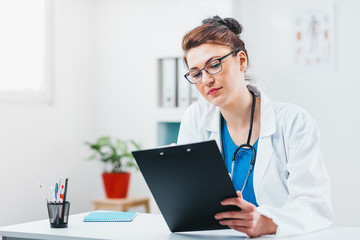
(247, 145)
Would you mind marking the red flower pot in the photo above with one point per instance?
(116, 184)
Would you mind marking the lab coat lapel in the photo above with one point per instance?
(265, 148)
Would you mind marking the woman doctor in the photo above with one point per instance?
(271, 149)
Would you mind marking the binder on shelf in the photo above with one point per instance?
(168, 82)
(183, 86)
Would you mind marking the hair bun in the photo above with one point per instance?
(230, 23)
(233, 25)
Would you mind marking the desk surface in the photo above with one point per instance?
(144, 226)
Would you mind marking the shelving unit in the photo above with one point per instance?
(168, 124)
(175, 94)
(167, 132)
(169, 114)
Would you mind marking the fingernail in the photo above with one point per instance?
(216, 216)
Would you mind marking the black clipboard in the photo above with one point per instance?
(188, 183)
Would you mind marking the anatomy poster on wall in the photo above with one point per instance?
(314, 37)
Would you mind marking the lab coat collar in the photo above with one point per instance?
(267, 113)
(211, 122)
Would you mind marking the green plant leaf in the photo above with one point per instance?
(116, 153)
(132, 165)
(103, 141)
(92, 157)
(121, 145)
(106, 159)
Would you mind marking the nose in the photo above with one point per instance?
(207, 79)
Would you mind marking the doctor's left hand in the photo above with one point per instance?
(247, 220)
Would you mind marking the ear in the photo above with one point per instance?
(243, 60)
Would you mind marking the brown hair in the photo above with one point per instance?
(217, 31)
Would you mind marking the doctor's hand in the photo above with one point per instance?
(247, 220)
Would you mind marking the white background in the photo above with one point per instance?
(105, 72)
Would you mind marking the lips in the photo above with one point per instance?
(212, 91)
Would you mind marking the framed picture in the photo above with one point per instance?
(314, 37)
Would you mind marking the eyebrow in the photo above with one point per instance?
(209, 60)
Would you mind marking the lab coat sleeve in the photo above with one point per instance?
(309, 203)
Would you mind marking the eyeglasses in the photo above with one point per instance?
(213, 67)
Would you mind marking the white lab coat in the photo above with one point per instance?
(290, 181)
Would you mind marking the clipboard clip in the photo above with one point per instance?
(162, 153)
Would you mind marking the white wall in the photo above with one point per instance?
(39, 143)
(330, 97)
(105, 84)
(131, 35)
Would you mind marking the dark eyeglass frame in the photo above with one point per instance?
(204, 68)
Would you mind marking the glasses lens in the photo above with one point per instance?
(214, 66)
(194, 76)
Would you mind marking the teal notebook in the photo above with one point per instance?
(110, 217)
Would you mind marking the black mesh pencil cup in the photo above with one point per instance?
(58, 214)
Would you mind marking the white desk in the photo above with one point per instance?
(144, 226)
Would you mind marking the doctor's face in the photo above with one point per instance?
(224, 87)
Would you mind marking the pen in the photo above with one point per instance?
(64, 197)
(56, 190)
(51, 194)
(62, 192)
(43, 192)
(65, 191)
(59, 190)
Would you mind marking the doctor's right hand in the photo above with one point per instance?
(247, 220)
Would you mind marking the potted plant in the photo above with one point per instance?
(117, 159)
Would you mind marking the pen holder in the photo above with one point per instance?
(58, 214)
